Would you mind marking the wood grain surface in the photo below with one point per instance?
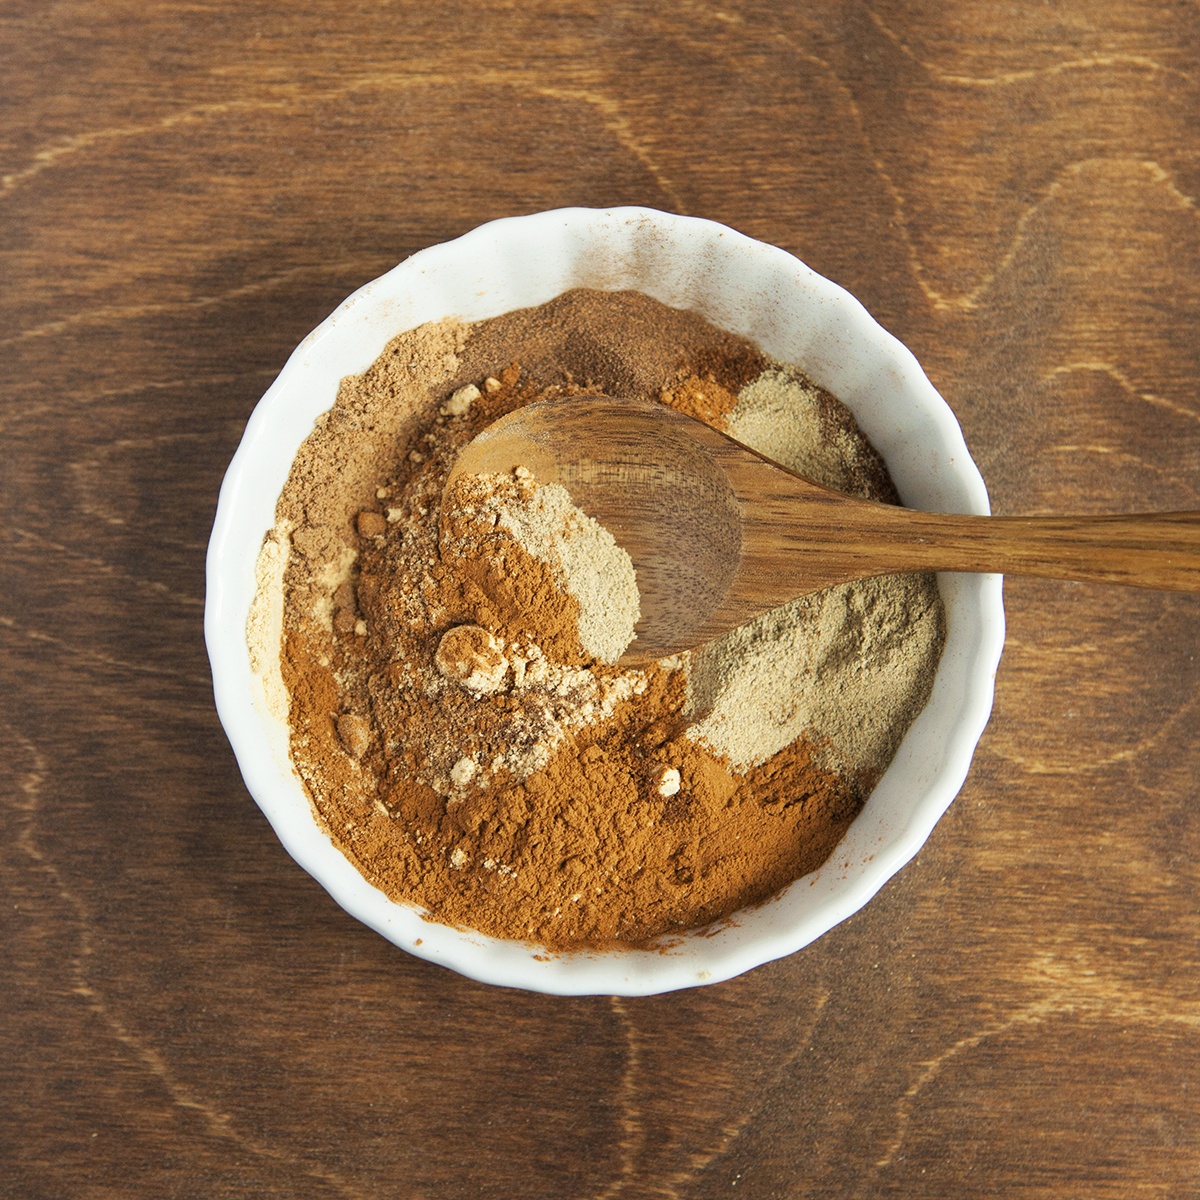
(187, 190)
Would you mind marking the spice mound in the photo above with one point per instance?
(447, 660)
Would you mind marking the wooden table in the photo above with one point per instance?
(190, 188)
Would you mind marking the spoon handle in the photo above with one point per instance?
(839, 540)
(1154, 550)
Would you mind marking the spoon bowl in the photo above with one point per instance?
(718, 533)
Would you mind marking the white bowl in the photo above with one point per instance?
(743, 286)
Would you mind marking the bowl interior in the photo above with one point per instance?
(741, 285)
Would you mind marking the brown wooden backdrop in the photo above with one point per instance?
(187, 189)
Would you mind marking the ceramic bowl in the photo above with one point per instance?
(741, 285)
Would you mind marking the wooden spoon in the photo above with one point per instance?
(719, 534)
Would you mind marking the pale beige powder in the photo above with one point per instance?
(264, 623)
(848, 667)
(359, 437)
(844, 667)
(782, 416)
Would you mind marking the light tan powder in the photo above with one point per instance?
(790, 419)
(264, 624)
(844, 666)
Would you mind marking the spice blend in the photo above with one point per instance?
(447, 663)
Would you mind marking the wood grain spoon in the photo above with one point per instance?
(719, 534)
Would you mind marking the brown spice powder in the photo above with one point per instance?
(533, 803)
